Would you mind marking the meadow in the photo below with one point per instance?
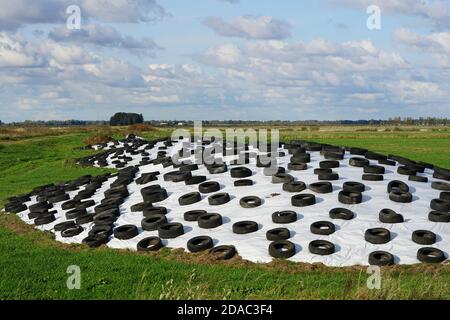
(33, 265)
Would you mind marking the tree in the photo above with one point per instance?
(125, 119)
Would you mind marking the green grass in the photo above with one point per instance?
(33, 266)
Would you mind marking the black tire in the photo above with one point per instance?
(322, 171)
(303, 200)
(321, 247)
(44, 219)
(75, 213)
(177, 176)
(209, 187)
(126, 232)
(64, 225)
(430, 255)
(397, 185)
(250, 202)
(193, 215)
(374, 169)
(377, 235)
(358, 151)
(341, 213)
(445, 196)
(390, 216)
(240, 172)
(423, 237)
(278, 234)
(95, 242)
(152, 223)
(406, 171)
(387, 162)
(104, 218)
(100, 231)
(149, 244)
(284, 217)
(282, 178)
(381, 258)
(244, 227)
(418, 179)
(401, 197)
(189, 198)
(350, 197)
(329, 164)
(440, 205)
(71, 204)
(321, 187)
(324, 228)
(282, 249)
(353, 186)
(375, 156)
(154, 210)
(84, 219)
(297, 166)
(243, 183)
(200, 243)
(295, 186)
(209, 220)
(328, 176)
(170, 230)
(333, 155)
(301, 158)
(372, 177)
(72, 232)
(438, 216)
(195, 180)
(155, 195)
(442, 186)
(223, 252)
(218, 199)
(358, 162)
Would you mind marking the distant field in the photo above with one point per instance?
(32, 265)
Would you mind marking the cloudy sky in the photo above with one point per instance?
(224, 59)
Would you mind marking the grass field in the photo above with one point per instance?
(33, 265)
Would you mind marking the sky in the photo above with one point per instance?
(224, 59)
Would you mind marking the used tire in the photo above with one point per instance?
(278, 234)
(243, 183)
(324, 228)
(321, 247)
(218, 199)
(195, 180)
(94, 242)
(149, 244)
(64, 225)
(372, 177)
(321, 187)
(240, 172)
(329, 164)
(71, 232)
(189, 198)
(193, 215)
(282, 178)
(209, 220)
(397, 185)
(445, 196)
(438, 216)
(303, 200)
(284, 217)
(401, 197)
(358, 162)
(200, 243)
(154, 210)
(341, 213)
(390, 216)
(377, 235)
(295, 186)
(282, 249)
(209, 187)
(350, 197)
(381, 258)
(440, 205)
(244, 227)
(250, 202)
(84, 219)
(152, 223)
(100, 231)
(353, 186)
(430, 255)
(442, 186)
(44, 219)
(418, 179)
(223, 252)
(374, 169)
(170, 230)
(126, 232)
(423, 237)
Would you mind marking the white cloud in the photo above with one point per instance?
(250, 27)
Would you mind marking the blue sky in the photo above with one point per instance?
(222, 59)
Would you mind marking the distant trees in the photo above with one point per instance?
(125, 119)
